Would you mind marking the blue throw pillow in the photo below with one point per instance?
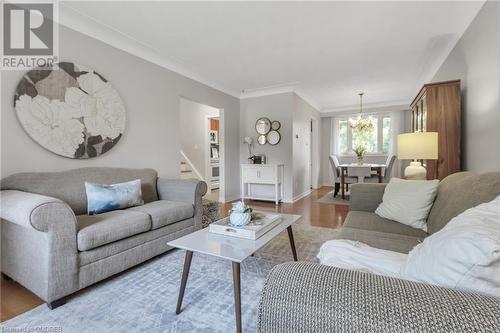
(104, 198)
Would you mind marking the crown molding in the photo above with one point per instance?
(290, 87)
(78, 21)
(269, 90)
(370, 108)
(355, 107)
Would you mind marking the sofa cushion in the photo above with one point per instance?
(173, 231)
(380, 240)
(69, 186)
(373, 222)
(459, 192)
(408, 201)
(164, 212)
(97, 230)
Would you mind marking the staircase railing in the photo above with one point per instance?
(191, 165)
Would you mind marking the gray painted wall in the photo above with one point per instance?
(151, 95)
(194, 136)
(305, 148)
(476, 61)
(275, 107)
(295, 115)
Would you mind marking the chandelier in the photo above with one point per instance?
(361, 124)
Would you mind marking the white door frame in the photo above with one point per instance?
(208, 172)
(314, 152)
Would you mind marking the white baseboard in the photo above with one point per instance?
(297, 197)
(285, 200)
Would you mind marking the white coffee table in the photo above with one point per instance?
(231, 248)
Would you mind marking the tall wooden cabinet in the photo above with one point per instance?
(436, 108)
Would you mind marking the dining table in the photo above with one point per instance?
(360, 171)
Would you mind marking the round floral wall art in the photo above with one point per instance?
(70, 110)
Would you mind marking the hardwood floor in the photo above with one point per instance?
(313, 213)
(15, 299)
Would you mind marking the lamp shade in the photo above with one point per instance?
(418, 146)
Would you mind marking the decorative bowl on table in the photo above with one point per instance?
(241, 215)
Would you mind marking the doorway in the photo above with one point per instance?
(212, 148)
(201, 143)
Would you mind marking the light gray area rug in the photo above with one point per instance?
(329, 199)
(143, 299)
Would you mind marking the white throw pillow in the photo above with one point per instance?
(408, 201)
(465, 254)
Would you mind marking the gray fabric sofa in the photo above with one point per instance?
(309, 297)
(53, 248)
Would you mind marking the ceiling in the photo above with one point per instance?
(327, 51)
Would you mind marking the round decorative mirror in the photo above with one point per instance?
(262, 139)
(263, 126)
(273, 137)
(275, 125)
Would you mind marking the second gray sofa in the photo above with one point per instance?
(52, 247)
(309, 297)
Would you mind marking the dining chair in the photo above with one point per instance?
(387, 172)
(334, 162)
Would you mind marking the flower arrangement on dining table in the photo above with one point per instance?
(362, 133)
(360, 151)
(362, 127)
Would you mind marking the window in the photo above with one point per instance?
(377, 140)
(343, 126)
(386, 134)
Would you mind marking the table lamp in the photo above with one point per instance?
(417, 146)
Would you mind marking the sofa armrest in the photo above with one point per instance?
(184, 190)
(366, 197)
(53, 224)
(36, 211)
(308, 297)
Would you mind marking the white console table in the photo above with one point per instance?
(262, 174)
